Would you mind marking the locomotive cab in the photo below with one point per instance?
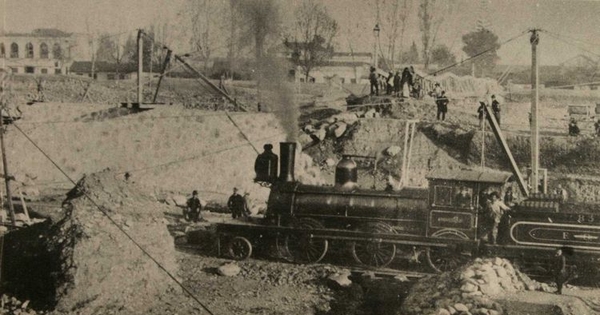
(457, 200)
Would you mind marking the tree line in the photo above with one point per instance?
(242, 29)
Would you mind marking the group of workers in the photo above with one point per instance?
(575, 131)
(238, 205)
(495, 110)
(396, 84)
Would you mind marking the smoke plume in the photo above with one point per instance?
(277, 95)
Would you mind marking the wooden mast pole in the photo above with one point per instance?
(535, 132)
(7, 178)
(140, 70)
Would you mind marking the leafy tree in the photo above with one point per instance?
(311, 41)
(479, 41)
(411, 56)
(442, 56)
(107, 48)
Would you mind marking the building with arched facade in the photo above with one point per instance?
(43, 51)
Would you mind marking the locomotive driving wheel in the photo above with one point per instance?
(442, 259)
(239, 248)
(374, 252)
(302, 247)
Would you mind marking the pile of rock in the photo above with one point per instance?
(12, 306)
(334, 127)
(468, 290)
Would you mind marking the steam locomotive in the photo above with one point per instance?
(445, 221)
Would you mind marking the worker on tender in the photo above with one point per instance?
(497, 208)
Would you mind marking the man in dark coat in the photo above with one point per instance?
(374, 82)
(389, 83)
(193, 208)
(397, 80)
(573, 128)
(236, 204)
(496, 109)
(442, 106)
(562, 272)
(481, 114)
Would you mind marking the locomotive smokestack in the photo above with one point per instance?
(287, 150)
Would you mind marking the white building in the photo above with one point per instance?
(43, 51)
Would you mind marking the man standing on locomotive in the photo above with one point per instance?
(236, 204)
(497, 208)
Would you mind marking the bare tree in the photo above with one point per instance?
(205, 26)
(232, 43)
(394, 14)
(312, 36)
(91, 41)
(112, 49)
(431, 17)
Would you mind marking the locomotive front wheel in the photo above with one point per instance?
(444, 259)
(302, 247)
(374, 252)
(239, 248)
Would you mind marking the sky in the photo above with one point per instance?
(575, 21)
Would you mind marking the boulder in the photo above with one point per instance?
(340, 130)
(348, 118)
(319, 134)
(229, 270)
(341, 278)
(309, 128)
(393, 150)
(460, 307)
(468, 288)
(443, 311)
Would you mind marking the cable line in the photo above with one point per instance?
(86, 194)
(478, 54)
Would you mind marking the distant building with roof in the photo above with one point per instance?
(346, 67)
(43, 51)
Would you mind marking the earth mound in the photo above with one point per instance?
(84, 261)
(104, 270)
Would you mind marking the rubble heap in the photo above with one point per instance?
(468, 290)
(102, 270)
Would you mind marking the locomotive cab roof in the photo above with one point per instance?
(487, 177)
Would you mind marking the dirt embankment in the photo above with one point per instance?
(169, 149)
(83, 263)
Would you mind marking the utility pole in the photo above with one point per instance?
(483, 139)
(535, 133)
(140, 55)
(7, 178)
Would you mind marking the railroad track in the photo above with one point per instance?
(355, 270)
